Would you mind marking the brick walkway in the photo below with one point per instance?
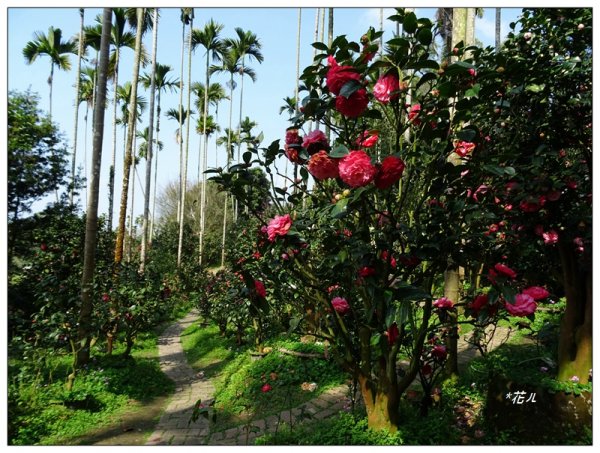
(173, 427)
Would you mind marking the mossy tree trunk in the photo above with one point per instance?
(575, 340)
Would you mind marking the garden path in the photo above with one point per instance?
(174, 427)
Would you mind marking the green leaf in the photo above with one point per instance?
(535, 88)
(350, 88)
(509, 294)
(410, 23)
(425, 36)
(339, 151)
(340, 208)
(320, 46)
(473, 91)
(247, 156)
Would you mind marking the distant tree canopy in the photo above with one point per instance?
(37, 154)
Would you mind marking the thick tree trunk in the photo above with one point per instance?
(452, 292)
(91, 222)
(575, 340)
(382, 401)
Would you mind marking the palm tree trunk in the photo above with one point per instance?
(498, 26)
(85, 136)
(91, 221)
(204, 159)
(50, 80)
(181, 124)
(187, 145)
(152, 226)
(149, 151)
(228, 163)
(131, 208)
(77, 88)
(111, 172)
(129, 145)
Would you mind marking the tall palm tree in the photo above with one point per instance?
(246, 44)
(52, 46)
(230, 65)
(187, 140)
(80, 51)
(208, 38)
(120, 39)
(129, 144)
(149, 144)
(84, 329)
(180, 116)
(163, 83)
(87, 90)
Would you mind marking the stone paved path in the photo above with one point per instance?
(173, 427)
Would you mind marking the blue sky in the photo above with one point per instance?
(275, 27)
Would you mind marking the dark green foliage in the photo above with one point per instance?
(37, 162)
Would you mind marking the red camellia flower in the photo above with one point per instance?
(340, 305)
(385, 87)
(338, 76)
(439, 352)
(478, 303)
(414, 113)
(390, 172)
(43, 247)
(388, 258)
(366, 271)
(356, 169)
(367, 139)
(392, 334)
(529, 206)
(315, 141)
(505, 270)
(292, 137)
(321, 166)
(292, 154)
(536, 292)
(259, 287)
(266, 388)
(105, 297)
(426, 370)
(463, 148)
(354, 105)
(443, 302)
(550, 237)
(279, 226)
(524, 306)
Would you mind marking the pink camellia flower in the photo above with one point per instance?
(505, 270)
(338, 76)
(414, 113)
(292, 137)
(366, 271)
(354, 105)
(524, 306)
(367, 139)
(443, 302)
(536, 292)
(315, 141)
(550, 237)
(356, 169)
(340, 305)
(385, 88)
(390, 172)
(333, 288)
(578, 244)
(472, 72)
(392, 334)
(463, 148)
(279, 226)
(439, 352)
(574, 379)
(259, 287)
(266, 388)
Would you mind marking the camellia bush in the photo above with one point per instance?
(381, 207)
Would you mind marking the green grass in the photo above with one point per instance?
(239, 380)
(43, 412)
